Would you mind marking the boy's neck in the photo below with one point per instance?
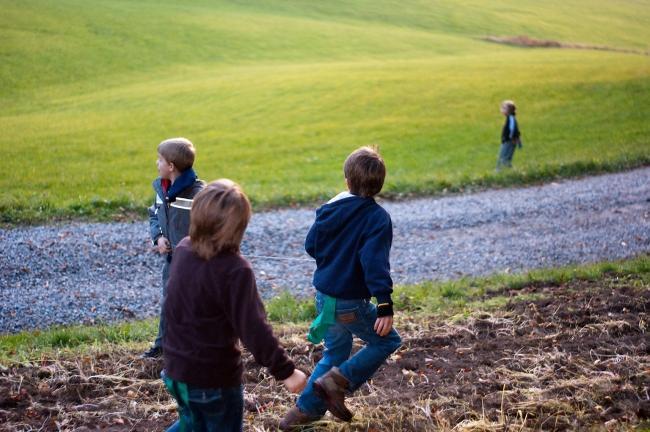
(174, 176)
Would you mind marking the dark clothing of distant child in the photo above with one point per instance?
(510, 139)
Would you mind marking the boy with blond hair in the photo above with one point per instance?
(510, 135)
(350, 241)
(169, 216)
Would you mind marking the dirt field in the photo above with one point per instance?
(571, 357)
(528, 42)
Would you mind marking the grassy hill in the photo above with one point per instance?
(276, 94)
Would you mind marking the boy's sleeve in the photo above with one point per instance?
(375, 261)
(310, 241)
(154, 224)
(511, 125)
(248, 317)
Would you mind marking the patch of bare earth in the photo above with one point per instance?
(575, 358)
(528, 42)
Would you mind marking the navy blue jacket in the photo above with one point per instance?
(351, 240)
(510, 132)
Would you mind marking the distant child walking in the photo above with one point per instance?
(510, 135)
(350, 240)
(169, 216)
(212, 303)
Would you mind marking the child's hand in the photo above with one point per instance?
(383, 325)
(296, 382)
(163, 245)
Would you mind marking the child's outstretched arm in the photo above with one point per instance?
(245, 310)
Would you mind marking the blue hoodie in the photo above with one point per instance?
(351, 240)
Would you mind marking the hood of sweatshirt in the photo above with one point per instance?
(332, 217)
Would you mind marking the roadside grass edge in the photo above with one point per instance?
(446, 298)
(15, 214)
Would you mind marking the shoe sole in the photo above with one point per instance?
(346, 415)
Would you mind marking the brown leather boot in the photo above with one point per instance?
(331, 388)
(294, 418)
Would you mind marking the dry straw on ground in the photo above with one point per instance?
(569, 357)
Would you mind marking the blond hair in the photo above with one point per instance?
(219, 217)
(365, 171)
(509, 106)
(179, 151)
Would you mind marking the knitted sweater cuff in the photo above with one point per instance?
(384, 306)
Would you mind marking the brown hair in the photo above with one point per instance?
(179, 151)
(509, 106)
(365, 171)
(219, 216)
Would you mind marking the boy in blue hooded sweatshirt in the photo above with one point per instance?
(169, 216)
(350, 241)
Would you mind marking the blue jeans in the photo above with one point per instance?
(353, 318)
(206, 409)
(505, 155)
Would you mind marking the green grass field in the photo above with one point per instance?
(276, 94)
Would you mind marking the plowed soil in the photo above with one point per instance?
(569, 357)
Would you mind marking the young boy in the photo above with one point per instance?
(169, 216)
(212, 303)
(510, 136)
(350, 240)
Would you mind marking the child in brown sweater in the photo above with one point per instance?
(212, 303)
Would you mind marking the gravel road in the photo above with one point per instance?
(90, 272)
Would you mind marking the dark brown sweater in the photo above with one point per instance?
(210, 306)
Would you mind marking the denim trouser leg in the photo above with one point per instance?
(511, 152)
(354, 317)
(338, 345)
(363, 365)
(209, 409)
(161, 323)
(505, 155)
